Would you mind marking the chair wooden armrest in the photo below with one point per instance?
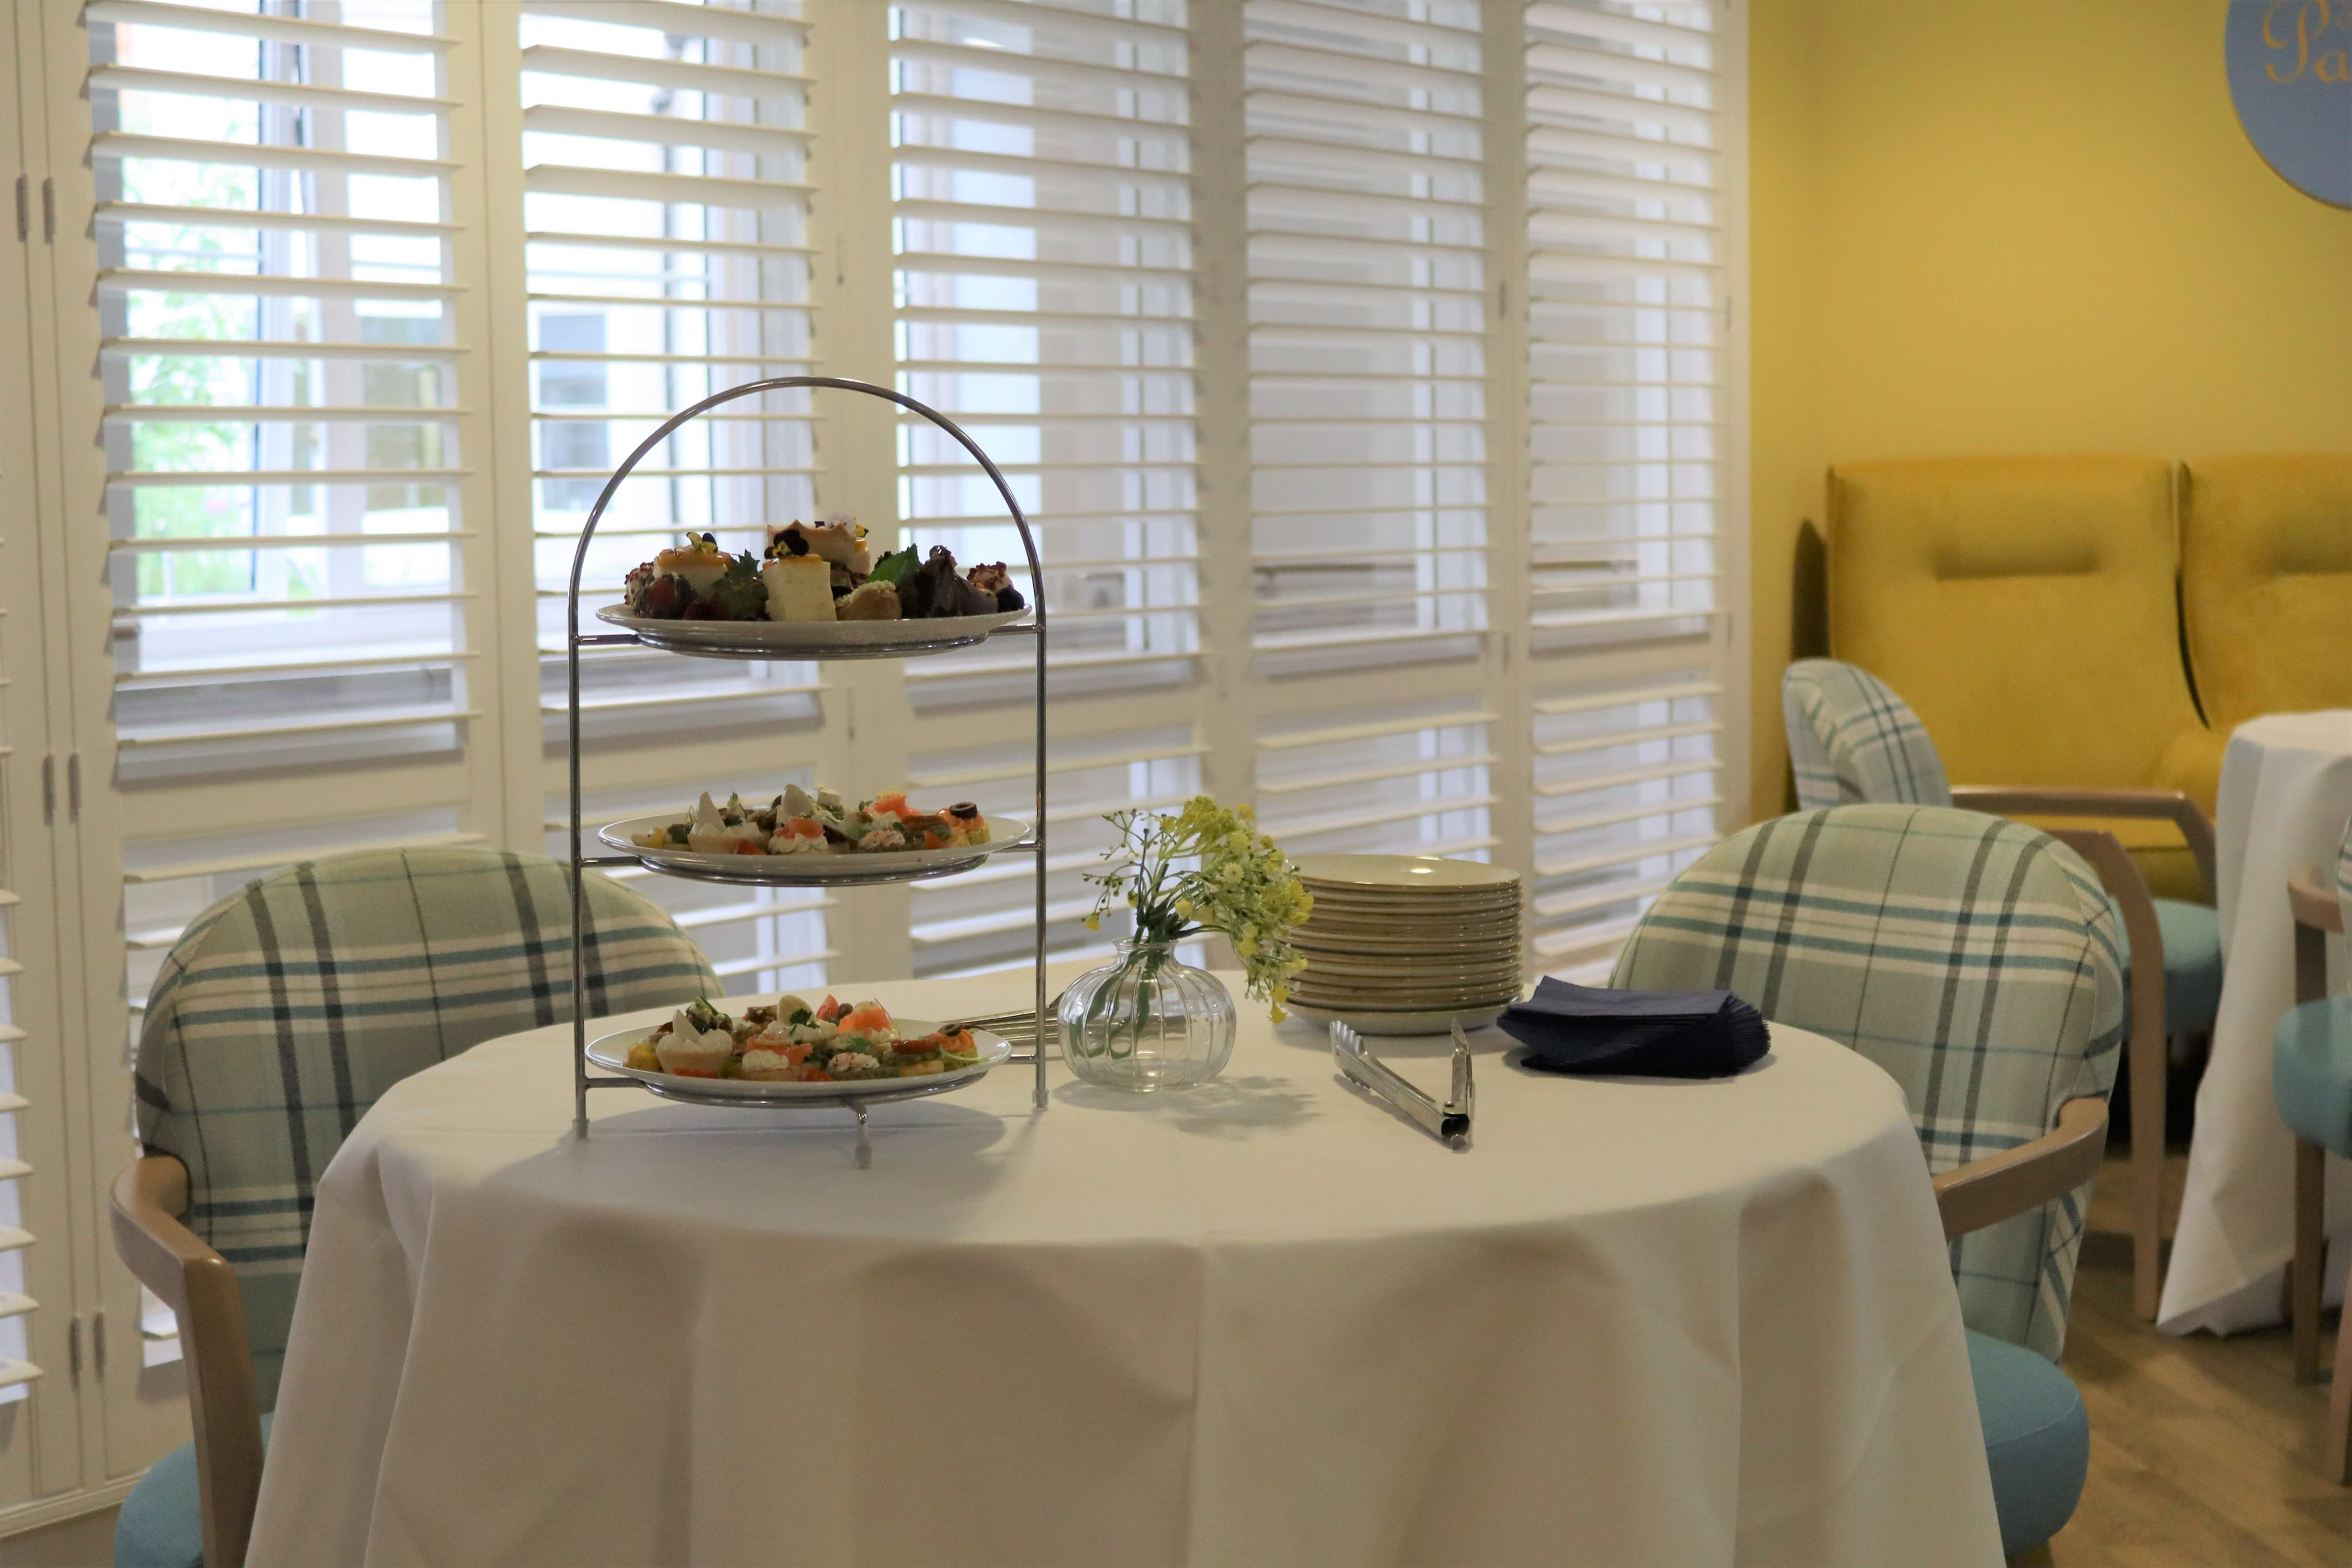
(2315, 905)
(200, 1288)
(2317, 916)
(2050, 800)
(2144, 1054)
(2016, 1180)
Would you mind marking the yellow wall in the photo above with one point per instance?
(2015, 226)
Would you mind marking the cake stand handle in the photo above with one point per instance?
(865, 1149)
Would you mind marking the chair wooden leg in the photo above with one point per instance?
(2310, 1248)
(2148, 1087)
(2339, 1405)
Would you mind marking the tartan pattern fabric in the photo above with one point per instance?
(2344, 877)
(1852, 741)
(1964, 954)
(288, 1008)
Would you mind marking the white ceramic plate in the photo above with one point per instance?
(1367, 1020)
(1455, 932)
(813, 871)
(1402, 871)
(810, 639)
(1338, 971)
(610, 1052)
(1405, 1001)
(1445, 946)
(1413, 909)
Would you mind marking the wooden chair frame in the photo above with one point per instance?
(200, 1288)
(2317, 916)
(2145, 1055)
(2020, 1180)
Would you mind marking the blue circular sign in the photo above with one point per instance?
(2290, 78)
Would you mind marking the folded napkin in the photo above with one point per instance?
(1655, 1034)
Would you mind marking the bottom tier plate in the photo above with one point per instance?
(610, 1052)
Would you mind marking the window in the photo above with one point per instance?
(1042, 231)
(1364, 368)
(665, 191)
(1626, 420)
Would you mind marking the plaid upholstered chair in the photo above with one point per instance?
(1976, 960)
(1852, 739)
(279, 1017)
(2311, 1082)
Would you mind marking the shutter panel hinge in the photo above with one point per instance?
(24, 208)
(48, 789)
(98, 1341)
(73, 787)
(49, 210)
(73, 1350)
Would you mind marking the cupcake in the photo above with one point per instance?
(690, 1052)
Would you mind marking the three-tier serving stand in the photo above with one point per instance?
(793, 871)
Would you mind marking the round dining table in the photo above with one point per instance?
(2286, 796)
(1267, 1321)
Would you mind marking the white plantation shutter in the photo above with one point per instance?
(666, 190)
(290, 515)
(1364, 366)
(1044, 300)
(1627, 419)
(1368, 445)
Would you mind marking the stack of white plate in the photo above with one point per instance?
(1401, 944)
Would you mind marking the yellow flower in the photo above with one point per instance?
(1093, 922)
(1184, 907)
(1246, 947)
(1275, 1014)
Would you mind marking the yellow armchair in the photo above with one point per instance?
(2026, 608)
(2266, 584)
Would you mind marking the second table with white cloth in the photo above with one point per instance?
(1260, 1321)
(2286, 796)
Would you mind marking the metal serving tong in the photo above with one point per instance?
(1448, 1123)
(1020, 1028)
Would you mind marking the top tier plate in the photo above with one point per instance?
(810, 639)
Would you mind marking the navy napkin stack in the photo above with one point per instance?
(1654, 1033)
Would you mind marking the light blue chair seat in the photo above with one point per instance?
(2037, 1439)
(2192, 964)
(161, 1525)
(2311, 1073)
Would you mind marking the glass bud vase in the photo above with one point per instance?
(1147, 1021)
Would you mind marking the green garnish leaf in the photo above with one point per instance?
(894, 567)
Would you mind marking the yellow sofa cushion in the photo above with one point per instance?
(2025, 607)
(2266, 572)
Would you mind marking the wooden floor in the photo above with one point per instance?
(2203, 1450)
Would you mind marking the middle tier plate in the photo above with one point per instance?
(810, 639)
(813, 871)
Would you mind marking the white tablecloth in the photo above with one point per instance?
(1263, 1321)
(2286, 791)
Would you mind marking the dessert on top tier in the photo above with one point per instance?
(814, 571)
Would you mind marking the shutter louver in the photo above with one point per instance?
(1042, 218)
(1042, 235)
(1367, 331)
(291, 537)
(1624, 407)
(666, 209)
(1367, 317)
(17, 1368)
